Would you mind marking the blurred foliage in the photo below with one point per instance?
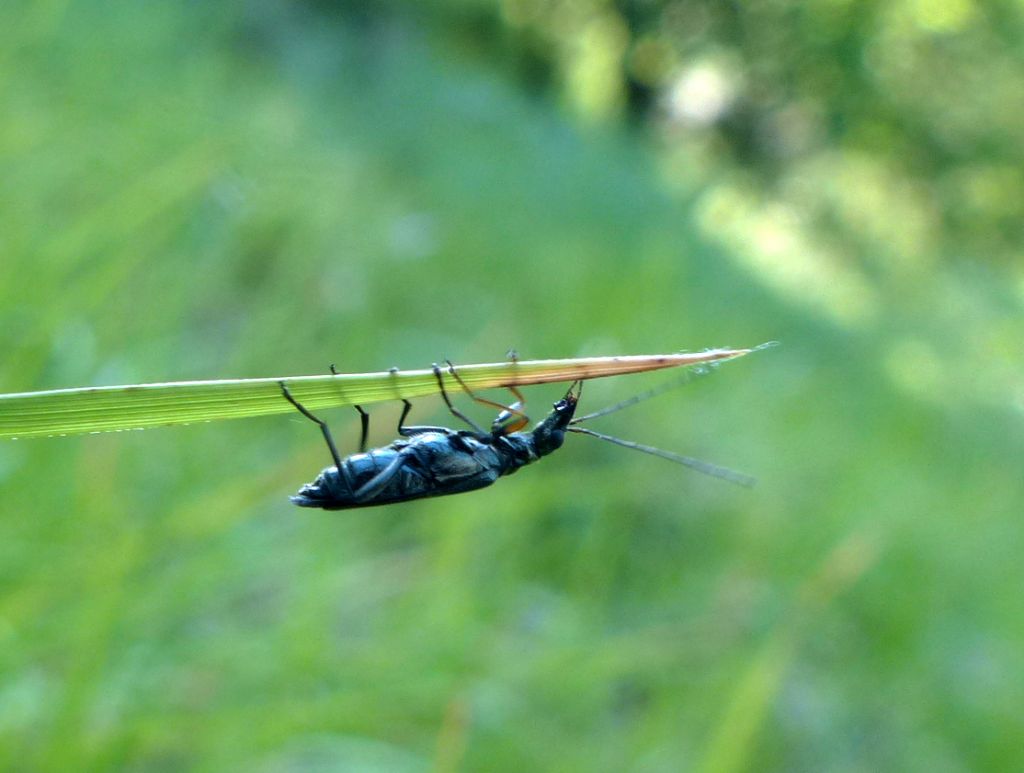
(217, 190)
(821, 103)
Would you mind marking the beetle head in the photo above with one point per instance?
(549, 433)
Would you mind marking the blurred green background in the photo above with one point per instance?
(213, 190)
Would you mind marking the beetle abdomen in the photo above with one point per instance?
(426, 465)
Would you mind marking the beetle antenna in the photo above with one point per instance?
(690, 375)
(707, 468)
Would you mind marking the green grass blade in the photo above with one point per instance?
(138, 406)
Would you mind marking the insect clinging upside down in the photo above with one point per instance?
(429, 461)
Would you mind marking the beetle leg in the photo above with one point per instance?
(406, 407)
(323, 425)
(447, 401)
(376, 484)
(364, 418)
(409, 431)
(502, 424)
